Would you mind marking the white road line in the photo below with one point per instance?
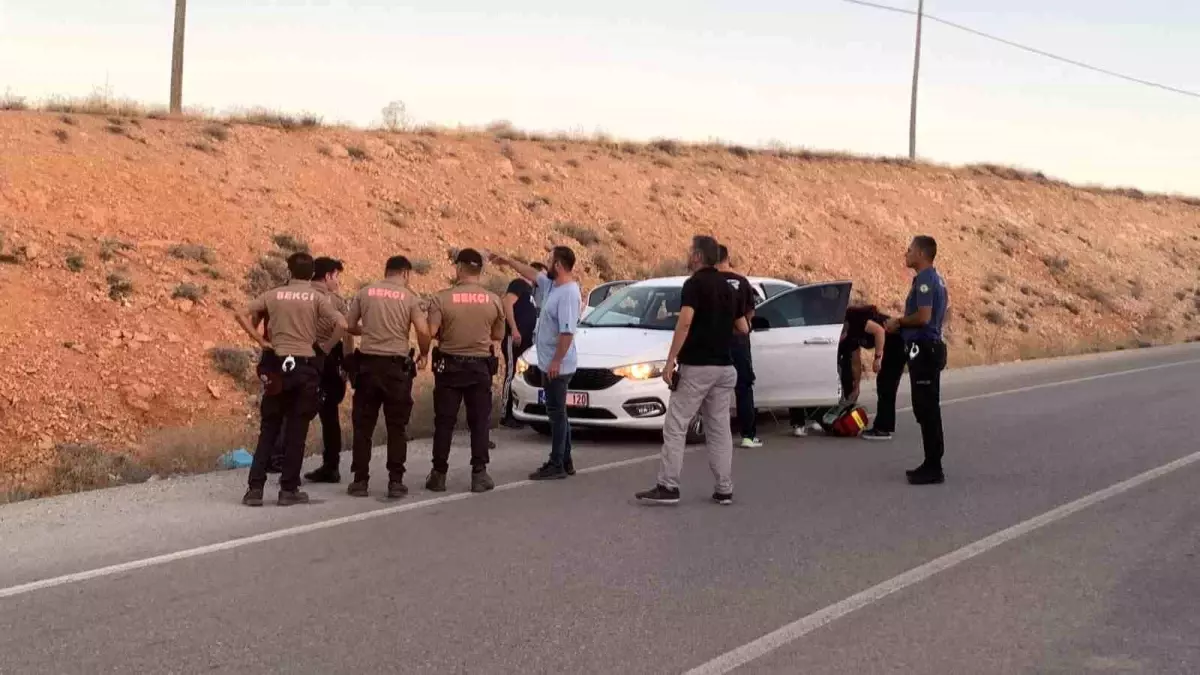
(231, 544)
(801, 627)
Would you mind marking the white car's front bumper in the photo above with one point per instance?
(614, 407)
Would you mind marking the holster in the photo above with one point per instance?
(270, 373)
(437, 360)
(412, 363)
(493, 362)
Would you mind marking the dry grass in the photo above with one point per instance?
(75, 262)
(269, 272)
(581, 234)
(357, 153)
(194, 252)
(421, 267)
(233, 362)
(78, 467)
(120, 286)
(291, 243)
(217, 132)
(62, 135)
(275, 119)
(189, 450)
(189, 291)
(111, 247)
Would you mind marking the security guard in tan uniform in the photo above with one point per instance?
(384, 314)
(468, 321)
(293, 313)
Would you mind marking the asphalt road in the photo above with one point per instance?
(826, 544)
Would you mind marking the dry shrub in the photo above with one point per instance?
(290, 243)
(98, 103)
(111, 247)
(357, 153)
(62, 135)
(666, 145)
(120, 286)
(75, 262)
(504, 130)
(666, 268)
(995, 317)
(269, 272)
(578, 232)
(604, 267)
(1056, 263)
(421, 267)
(193, 252)
(189, 291)
(740, 151)
(217, 132)
(234, 362)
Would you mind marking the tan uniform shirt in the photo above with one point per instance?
(386, 309)
(293, 312)
(325, 326)
(471, 318)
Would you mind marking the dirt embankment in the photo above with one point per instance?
(126, 241)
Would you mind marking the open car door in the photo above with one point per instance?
(794, 344)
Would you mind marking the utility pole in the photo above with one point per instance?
(912, 113)
(177, 59)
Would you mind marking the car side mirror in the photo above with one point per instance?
(759, 323)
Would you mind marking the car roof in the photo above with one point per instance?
(672, 282)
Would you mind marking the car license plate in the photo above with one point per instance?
(575, 399)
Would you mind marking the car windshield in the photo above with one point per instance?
(649, 307)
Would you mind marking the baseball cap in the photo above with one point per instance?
(469, 256)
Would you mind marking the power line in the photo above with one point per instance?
(1032, 50)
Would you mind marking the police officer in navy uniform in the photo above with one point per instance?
(467, 320)
(921, 329)
(294, 313)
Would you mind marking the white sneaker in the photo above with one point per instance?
(800, 431)
(750, 443)
(806, 429)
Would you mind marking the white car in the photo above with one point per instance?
(622, 348)
(599, 294)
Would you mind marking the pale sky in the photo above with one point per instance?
(821, 74)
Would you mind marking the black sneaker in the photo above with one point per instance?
(659, 495)
(548, 471)
(723, 500)
(325, 474)
(436, 481)
(358, 489)
(481, 481)
(292, 497)
(511, 423)
(569, 467)
(926, 477)
(876, 435)
(397, 490)
(253, 497)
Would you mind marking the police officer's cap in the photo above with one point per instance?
(469, 256)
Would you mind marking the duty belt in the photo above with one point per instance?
(288, 363)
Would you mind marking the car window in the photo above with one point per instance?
(774, 288)
(816, 305)
(651, 307)
(601, 292)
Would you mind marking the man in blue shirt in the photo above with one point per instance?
(554, 340)
(921, 330)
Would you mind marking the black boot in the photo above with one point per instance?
(436, 481)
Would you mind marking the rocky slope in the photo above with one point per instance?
(126, 241)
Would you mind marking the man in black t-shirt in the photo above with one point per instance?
(740, 351)
(863, 329)
(520, 315)
(709, 313)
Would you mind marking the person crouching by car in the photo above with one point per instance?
(863, 329)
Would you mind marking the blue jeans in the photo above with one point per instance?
(560, 424)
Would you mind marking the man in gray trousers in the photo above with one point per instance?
(705, 379)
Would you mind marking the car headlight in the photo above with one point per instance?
(641, 371)
(522, 366)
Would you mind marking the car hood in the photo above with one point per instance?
(614, 347)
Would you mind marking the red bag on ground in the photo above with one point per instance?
(847, 420)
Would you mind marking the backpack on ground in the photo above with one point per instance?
(847, 420)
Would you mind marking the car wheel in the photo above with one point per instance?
(541, 428)
(695, 431)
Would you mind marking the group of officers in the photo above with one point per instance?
(308, 340)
